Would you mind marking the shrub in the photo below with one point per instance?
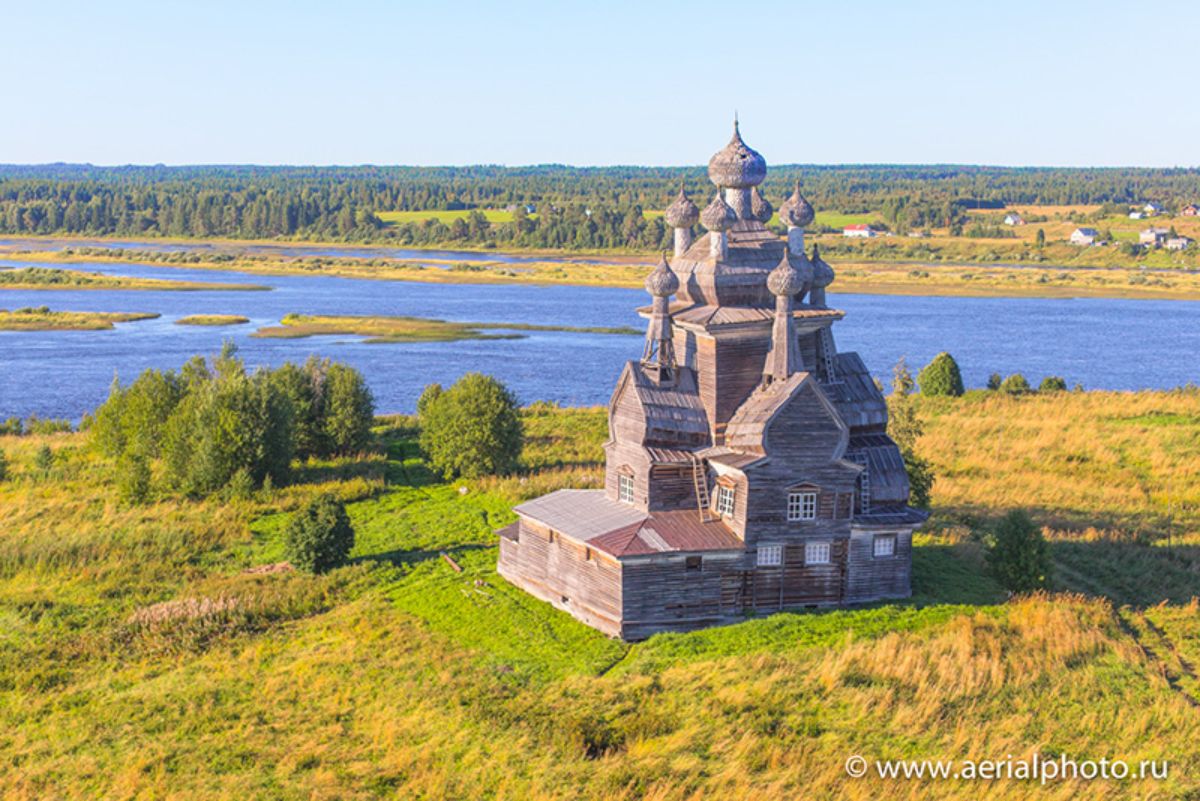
(319, 537)
(1015, 384)
(3, 466)
(994, 381)
(472, 429)
(133, 478)
(941, 377)
(1019, 555)
(43, 460)
(1053, 383)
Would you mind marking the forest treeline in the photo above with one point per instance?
(574, 207)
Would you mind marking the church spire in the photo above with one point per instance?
(783, 359)
(658, 358)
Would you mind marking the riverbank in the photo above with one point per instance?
(50, 278)
(43, 319)
(857, 276)
(412, 329)
(213, 319)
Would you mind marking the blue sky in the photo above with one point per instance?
(611, 82)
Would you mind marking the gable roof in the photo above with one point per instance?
(618, 529)
(674, 414)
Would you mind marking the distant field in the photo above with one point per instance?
(400, 217)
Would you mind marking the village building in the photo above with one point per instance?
(1178, 243)
(1154, 237)
(862, 230)
(1013, 218)
(1190, 210)
(1085, 236)
(1137, 215)
(748, 465)
(1152, 209)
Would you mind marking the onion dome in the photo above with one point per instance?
(718, 215)
(785, 279)
(822, 272)
(682, 213)
(796, 211)
(736, 165)
(662, 281)
(760, 207)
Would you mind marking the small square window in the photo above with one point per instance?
(694, 563)
(625, 488)
(725, 500)
(770, 555)
(802, 506)
(816, 553)
(885, 546)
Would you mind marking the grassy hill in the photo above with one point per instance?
(153, 652)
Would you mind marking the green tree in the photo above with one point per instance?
(472, 429)
(1040, 239)
(303, 389)
(428, 397)
(905, 428)
(1053, 383)
(1015, 384)
(349, 409)
(133, 478)
(994, 381)
(941, 377)
(1018, 555)
(319, 537)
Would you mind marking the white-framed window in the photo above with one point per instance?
(770, 555)
(802, 505)
(625, 488)
(816, 553)
(885, 545)
(725, 500)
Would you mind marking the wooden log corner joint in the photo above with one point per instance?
(748, 463)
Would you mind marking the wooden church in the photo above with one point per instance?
(748, 463)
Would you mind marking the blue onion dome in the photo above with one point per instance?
(718, 215)
(662, 281)
(760, 207)
(785, 279)
(822, 272)
(736, 165)
(682, 213)
(796, 211)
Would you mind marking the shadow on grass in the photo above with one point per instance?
(413, 556)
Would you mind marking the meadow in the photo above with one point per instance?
(163, 651)
(41, 318)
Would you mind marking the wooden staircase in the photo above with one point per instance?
(700, 480)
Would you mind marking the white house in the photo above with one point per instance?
(1085, 236)
(1012, 218)
(1152, 208)
(1179, 243)
(1154, 237)
(1136, 215)
(862, 230)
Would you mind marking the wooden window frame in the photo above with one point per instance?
(769, 556)
(726, 496)
(798, 501)
(891, 550)
(828, 551)
(626, 491)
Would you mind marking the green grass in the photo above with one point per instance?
(56, 278)
(400, 217)
(43, 319)
(411, 329)
(213, 319)
(398, 677)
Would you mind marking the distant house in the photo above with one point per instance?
(863, 231)
(1178, 243)
(1136, 215)
(1012, 218)
(1152, 208)
(1085, 236)
(1153, 237)
(1190, 210)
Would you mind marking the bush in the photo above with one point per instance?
(941, 377)
(1019, 556)
(1053, 383)
(1015, 384)
(994, 381)
(43, 460)
(133, 479)
(3, 466)
(319, 537)
(472, 429)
